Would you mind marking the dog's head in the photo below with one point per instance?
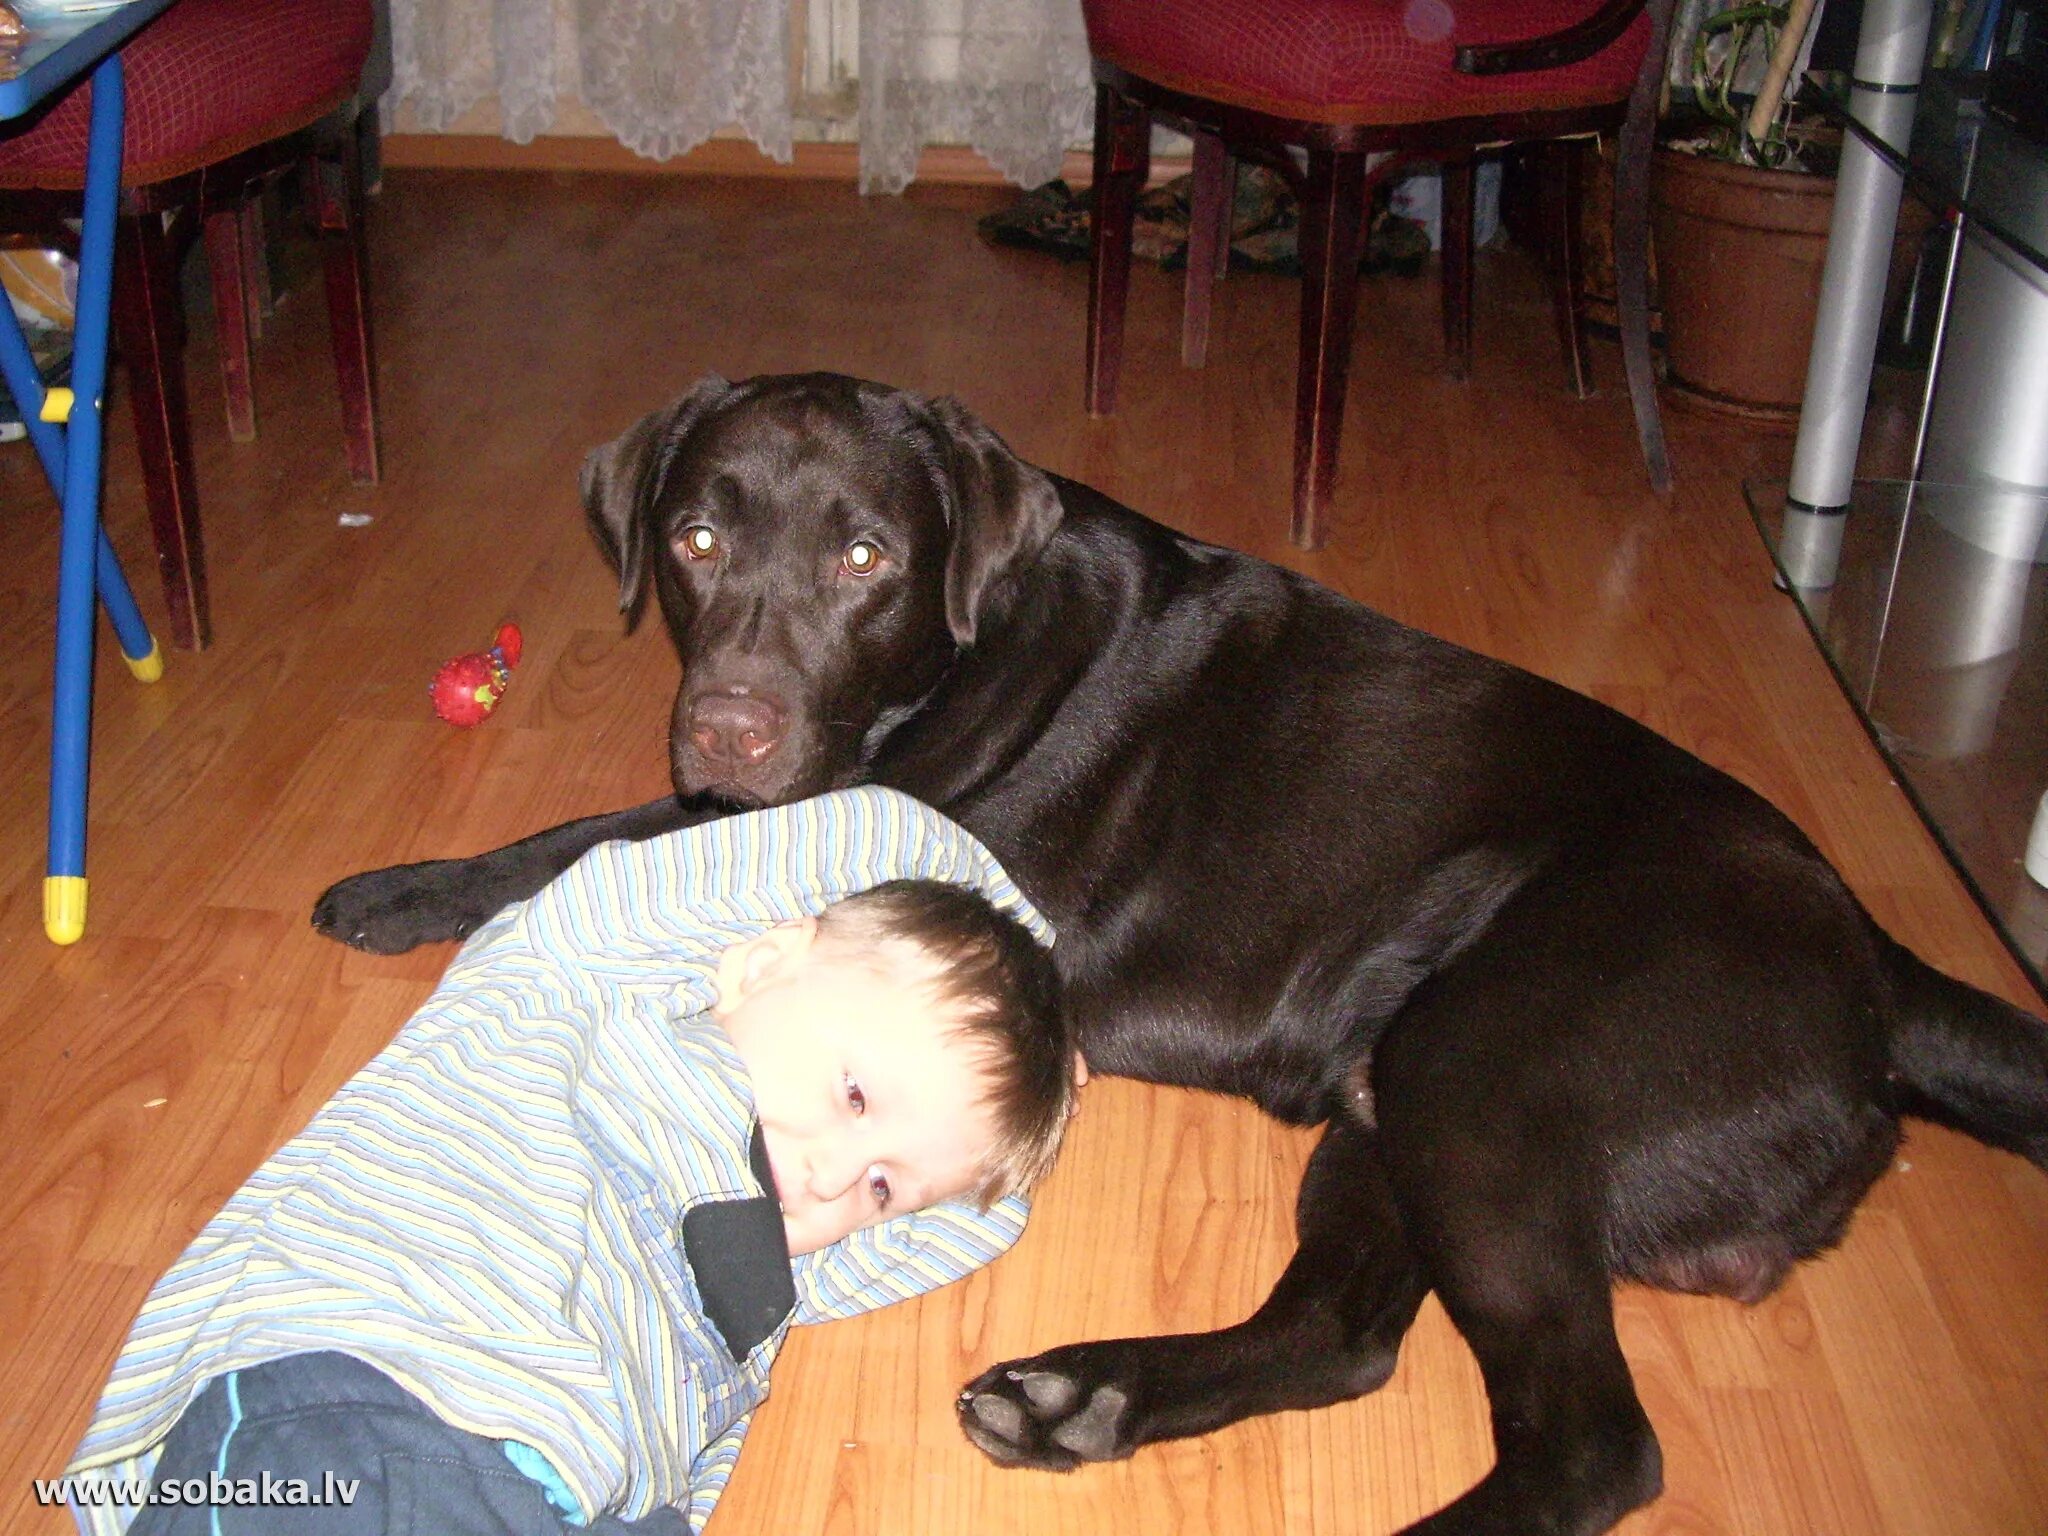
(821, 549)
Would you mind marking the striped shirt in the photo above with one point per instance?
(489, 1212)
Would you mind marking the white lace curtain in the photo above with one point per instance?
(1007, 77)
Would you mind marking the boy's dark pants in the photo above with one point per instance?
(325, 1418)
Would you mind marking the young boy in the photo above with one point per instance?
(525, 1273)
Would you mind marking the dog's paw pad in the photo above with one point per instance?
(1092, 1433)
(998, 1415)
(1054, 1411)
(1051, 1393)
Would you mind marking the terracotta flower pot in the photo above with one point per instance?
(1739, 257)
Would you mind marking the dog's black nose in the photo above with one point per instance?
(738, 728)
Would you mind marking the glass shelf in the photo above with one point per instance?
(1960, 156)
(1942, 646)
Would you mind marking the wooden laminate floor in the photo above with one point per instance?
(1898, 1386)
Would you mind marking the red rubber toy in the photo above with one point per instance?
(470, 687)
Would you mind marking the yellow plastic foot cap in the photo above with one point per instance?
(64, 908)
(57, 405)
(147, 669)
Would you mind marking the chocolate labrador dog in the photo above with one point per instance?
(1572, 1005)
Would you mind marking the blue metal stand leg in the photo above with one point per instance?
(82, 540)
(138, 647)
(26, 385)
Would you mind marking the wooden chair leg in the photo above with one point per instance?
(150, 331)
(1560, 183)
(1208, 242)
(1123, 156)
(256, 263)
(334, 181)
(226, 263)
(1332, 220)
(1228, 204)
(1456, 207)
(1632, 253)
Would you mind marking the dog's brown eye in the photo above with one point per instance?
(861, 558)
(699, 543)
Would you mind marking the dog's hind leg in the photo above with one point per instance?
(1502, 1190)
(1330, 1331)
(1574, 1451)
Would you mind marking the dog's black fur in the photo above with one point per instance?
(1575, 1005)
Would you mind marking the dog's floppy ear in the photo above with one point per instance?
(622, 480)
(1002, 511)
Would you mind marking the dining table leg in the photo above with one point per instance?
(1891, 49)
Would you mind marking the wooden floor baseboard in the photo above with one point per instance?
(950, 164)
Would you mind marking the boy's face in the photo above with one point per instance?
(870, 1103)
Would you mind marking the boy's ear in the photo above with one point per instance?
(767, 955)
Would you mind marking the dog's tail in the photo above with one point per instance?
(1970, 1060)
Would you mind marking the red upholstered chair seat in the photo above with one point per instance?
(206, 80)
(1356, 61)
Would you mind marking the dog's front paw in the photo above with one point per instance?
(1053, 1412)
(388, 911)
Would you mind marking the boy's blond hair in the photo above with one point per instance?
(982, 967)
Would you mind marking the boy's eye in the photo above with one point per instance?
(878, 1186)
(857, 1099)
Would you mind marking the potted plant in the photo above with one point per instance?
(1741, 196)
